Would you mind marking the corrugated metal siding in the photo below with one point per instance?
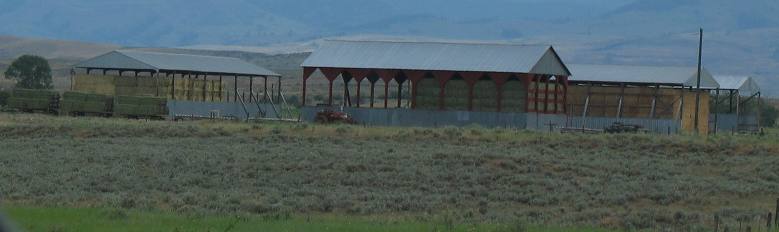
(430, 56)
(424, 118)
(177, 108)
(686, 76)
(135, 60)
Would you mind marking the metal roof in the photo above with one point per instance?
(665, 75)
(744, 84)
(161, 62)
(437, 56)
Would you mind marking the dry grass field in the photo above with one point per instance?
(469, 175)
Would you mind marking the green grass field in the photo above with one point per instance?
(55, 167)
(92, 219)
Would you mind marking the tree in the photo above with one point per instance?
(30, 72)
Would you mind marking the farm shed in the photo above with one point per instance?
(736, 105)
(660, 98)
(194, 85)
(449, 83)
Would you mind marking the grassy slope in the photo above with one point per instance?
(477, 175)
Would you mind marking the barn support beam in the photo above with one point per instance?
(443, 78)
(759, 112)
(500, 80)
(251, 88)
(414, 76)
(307, 72)
(620, 108)
(716, 111)
(172, 86)
(235, 88)
(331, 74)
(400, 78)
(471, 78)
(738, 110)
(221, 87)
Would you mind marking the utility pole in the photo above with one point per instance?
(698, 91)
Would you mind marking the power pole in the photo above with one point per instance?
(698, 91)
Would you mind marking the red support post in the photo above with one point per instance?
(536, 80)
(307, 71)
(471, 78)
(358, 75)
(414, 77)
(500, 80)
(527, 79)
(565, 94)
(443, 77)
(386, 75)
(331, 74)
(547, 79)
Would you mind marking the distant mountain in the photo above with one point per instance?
(740, 35)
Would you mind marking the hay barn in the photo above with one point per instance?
(659, 98)
(445, 83)
(195, 86)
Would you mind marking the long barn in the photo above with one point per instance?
(448, 83)
(194, 85)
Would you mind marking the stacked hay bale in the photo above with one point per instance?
(456, 95)
(514, 97)
(427, 94)
(34, 100)
(86, 103)
(99, 84)
(142, 107)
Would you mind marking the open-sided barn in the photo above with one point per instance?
(450, 83)
(193, 85)
(657, 97)
(736, 104)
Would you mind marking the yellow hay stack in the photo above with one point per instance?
(185, 89)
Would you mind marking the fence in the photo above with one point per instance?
(531, 121)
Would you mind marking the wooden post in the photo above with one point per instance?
(173, 87)
(776, 213)
(221, 87)
(386, 94)
(716, 111)
(653, 111)
(759, 112)
(205, 84)
(251, 88)
(359, 97)
(235, 88)
(373, 91)
(586, 106)
(620, 109)
(738, 110)
(279, 89)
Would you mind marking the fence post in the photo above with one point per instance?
(716, 222)
(776, 214)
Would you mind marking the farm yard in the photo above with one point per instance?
(230, 176)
